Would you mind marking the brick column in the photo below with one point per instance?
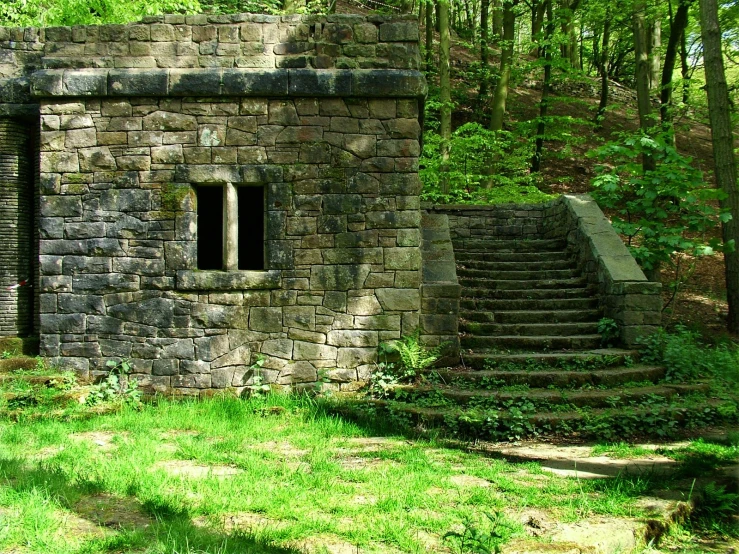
(16, 216)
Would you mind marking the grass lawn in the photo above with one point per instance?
(280, 474)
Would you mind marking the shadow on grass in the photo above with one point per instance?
(149, 526)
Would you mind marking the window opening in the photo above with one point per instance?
(251, 228)
(210, 227)
(230, 227)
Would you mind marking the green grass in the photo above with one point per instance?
(301, 474)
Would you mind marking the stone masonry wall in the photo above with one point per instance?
(118, 236)
(16, 218)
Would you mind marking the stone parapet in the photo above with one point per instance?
(440, 290)
(627, 297)
(509, 221)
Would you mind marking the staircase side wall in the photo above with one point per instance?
(440, 290)
(508, 221)
(626, 295)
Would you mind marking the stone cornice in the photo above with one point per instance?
(210, 82)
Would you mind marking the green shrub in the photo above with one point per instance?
(686, 357)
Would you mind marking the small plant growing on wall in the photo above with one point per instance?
(117, 386)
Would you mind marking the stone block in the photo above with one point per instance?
(352, 338)
(338, 277)
(299, 317)
(309, 351)
(138, 82)
(267, 320)
(399, 299)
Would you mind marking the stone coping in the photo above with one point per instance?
(19, 110)
(363, 83)
(228, 280)
(444, 208)
(603, 241)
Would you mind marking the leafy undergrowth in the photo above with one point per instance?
(275, 474)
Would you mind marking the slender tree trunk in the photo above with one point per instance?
(646, 118)
(603, 67)
(677, 29)
(436, 20)
(723, 148)
(446, 91)
(653, 49)
(506, 60)
(685, 67)
(497, 29)
(484, 55)
(546, 49)
(429, 35)
(537, 21)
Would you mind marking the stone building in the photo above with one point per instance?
(191, 191)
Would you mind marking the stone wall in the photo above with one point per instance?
(16, 220)
(512, 221)
(322, 112)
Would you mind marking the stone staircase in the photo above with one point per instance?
(532, 359)
(523, 295)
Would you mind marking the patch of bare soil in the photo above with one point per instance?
(243, 521)
(113, 511)
(373, 444)
(74, 526)
(283, 449)
(103, 440)
(187, 468)
(358, 462)
(464, 481)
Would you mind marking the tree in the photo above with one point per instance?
(602, 65)
(723, 149)
(506, 60)
(546, 51)
(445, 124)
(644, 104)
(677, 31)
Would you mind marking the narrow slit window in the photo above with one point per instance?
(210, 227)
(251, 228)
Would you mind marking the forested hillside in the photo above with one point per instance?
(530, 98)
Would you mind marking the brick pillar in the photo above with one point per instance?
(16, 217)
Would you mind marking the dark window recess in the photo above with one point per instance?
(210, 227)
(251, 227)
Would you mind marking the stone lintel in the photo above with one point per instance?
(19, 110)
(228, 280)
(369, 83)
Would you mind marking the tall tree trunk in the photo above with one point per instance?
(723, 148)
(653, 49)
(537, 21)
(677, 29)
(446, 92)
(484, 55)
(436, 20)
(506, 60)
(685, 67)
(603, 68)
(546, 49)
(429, 35)
(497, 29)
(646, 118)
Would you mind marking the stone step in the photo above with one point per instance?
(586, 360)
(462, 256)
(500, 424)
(518, 266)
(18, 363)
(531, 275)
(581, 301)
(524, 286)
(529, 329)
(498, 245)
(606, 398)
(30, 379)
(539, 343)
(610, 377)
(531, 316)
(16, 346)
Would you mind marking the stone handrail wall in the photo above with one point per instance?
(627, 296)
(440, 290)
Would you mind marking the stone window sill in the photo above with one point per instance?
(228, 280)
